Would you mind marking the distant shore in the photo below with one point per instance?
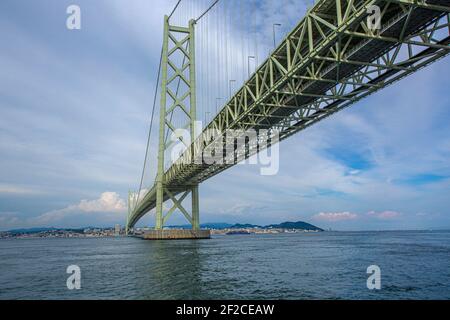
(117, 230)
(62, 233)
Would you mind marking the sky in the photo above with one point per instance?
(74, 116)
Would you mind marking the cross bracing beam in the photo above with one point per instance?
(330, 60)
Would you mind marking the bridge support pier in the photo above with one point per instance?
(195, 209)
(177, 235)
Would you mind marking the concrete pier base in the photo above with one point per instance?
(176, 234)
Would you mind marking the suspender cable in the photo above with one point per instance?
(226, 53)
(174, 9)
(207, 10)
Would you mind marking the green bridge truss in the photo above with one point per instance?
(330, 60)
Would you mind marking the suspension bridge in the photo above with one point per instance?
(338, 53)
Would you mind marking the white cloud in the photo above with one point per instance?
(239, 208)
(18, 190)
(335, 216)
(385, 215)
(8, 220)
(108, 207)
(108, 202)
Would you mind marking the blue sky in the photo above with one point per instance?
(74, 110)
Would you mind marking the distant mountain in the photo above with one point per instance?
(294, 225)
(244, 226)
(31, 230)
(215, 226)
(299, 225)
(51, 229)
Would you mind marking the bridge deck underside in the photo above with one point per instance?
(300, 97)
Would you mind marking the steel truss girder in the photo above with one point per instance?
(305, 57)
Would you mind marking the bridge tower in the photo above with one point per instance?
(177, 71)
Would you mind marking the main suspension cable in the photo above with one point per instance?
(150, 129)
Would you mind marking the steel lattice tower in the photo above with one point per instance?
(177, 40)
